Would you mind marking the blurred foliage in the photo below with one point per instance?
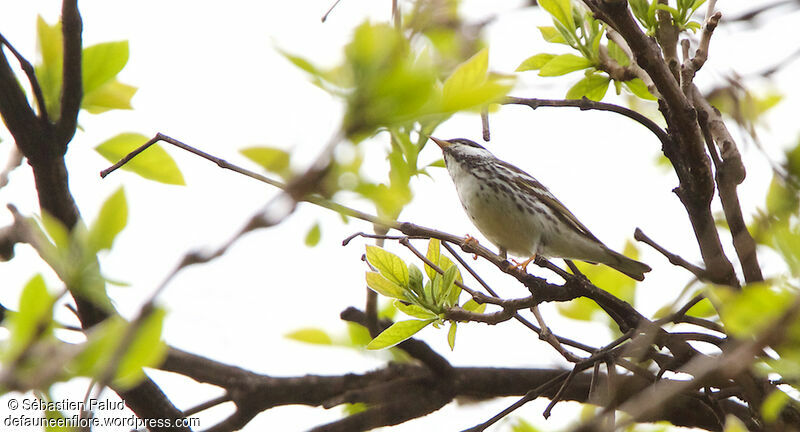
(33, 354)
(403, 82)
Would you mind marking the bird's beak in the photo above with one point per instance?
(441, 143)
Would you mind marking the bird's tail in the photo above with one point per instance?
(627, 266)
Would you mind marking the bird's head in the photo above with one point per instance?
(461, 148)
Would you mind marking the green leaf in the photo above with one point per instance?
(468, 75)
(451, 335)
(433, 256)
(593, 87)
(473, 306)
(523, 426)
(438, 163)
(313, 236)
(639, 88)
(535, 62)
(550, 34)
(153, 163)
(781, 198)
(447, 285)
(470, 85)
(618, 54)
(270, 158)
(101, 63)
(146, 350)
(48, 73)
(359, 335)
(397, 333)
(110, 221)
(773, 405)
(383, 286)
(312, 336)
(34, 315)
(414, 310)
(733, 424)
(561, 10)
(703, 309)
(415, 278)
(564, 64)
(111, 95)
(581, 309)
(56, 230)
(750, 311)
(388, 264)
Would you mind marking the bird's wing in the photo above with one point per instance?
(528, 183)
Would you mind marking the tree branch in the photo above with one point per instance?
(685, 150)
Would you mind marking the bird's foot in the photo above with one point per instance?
(470, 242)
(523, 266)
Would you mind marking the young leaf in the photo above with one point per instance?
(445, 265)
(433, 256)
(639, 88)
(471, 85)
(414, 310)
(473, 306)
(270, 158)
(388, 264)
(110, 221)
(451, 335)
(561, 10)
(564, 64)
(312, 336)
(48, 73)
(550, 34)
(153, 163)
(101, 63)
(447, 284)
(593, 87)
(415, 278)
(146, 350)
(111, 95)
(313, 236)
(535, 62)
(397, 333)
(383, 286)
(34, 314)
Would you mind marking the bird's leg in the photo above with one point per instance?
(503, 253)
(523, 266)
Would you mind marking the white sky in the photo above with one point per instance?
(210, 76)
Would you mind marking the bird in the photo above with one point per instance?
(519, 215)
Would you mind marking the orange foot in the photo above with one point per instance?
(471, 242)
(523, 266)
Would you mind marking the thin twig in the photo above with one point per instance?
(557, 397)
(487, 136)
(517, 316)
(325, 17)
(586, 104)
(673, 259)
(531, 395)
(27, 67)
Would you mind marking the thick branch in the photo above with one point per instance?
(730, 173)
(72, 77)
(686, 150)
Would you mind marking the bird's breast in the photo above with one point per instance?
(500, 212)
